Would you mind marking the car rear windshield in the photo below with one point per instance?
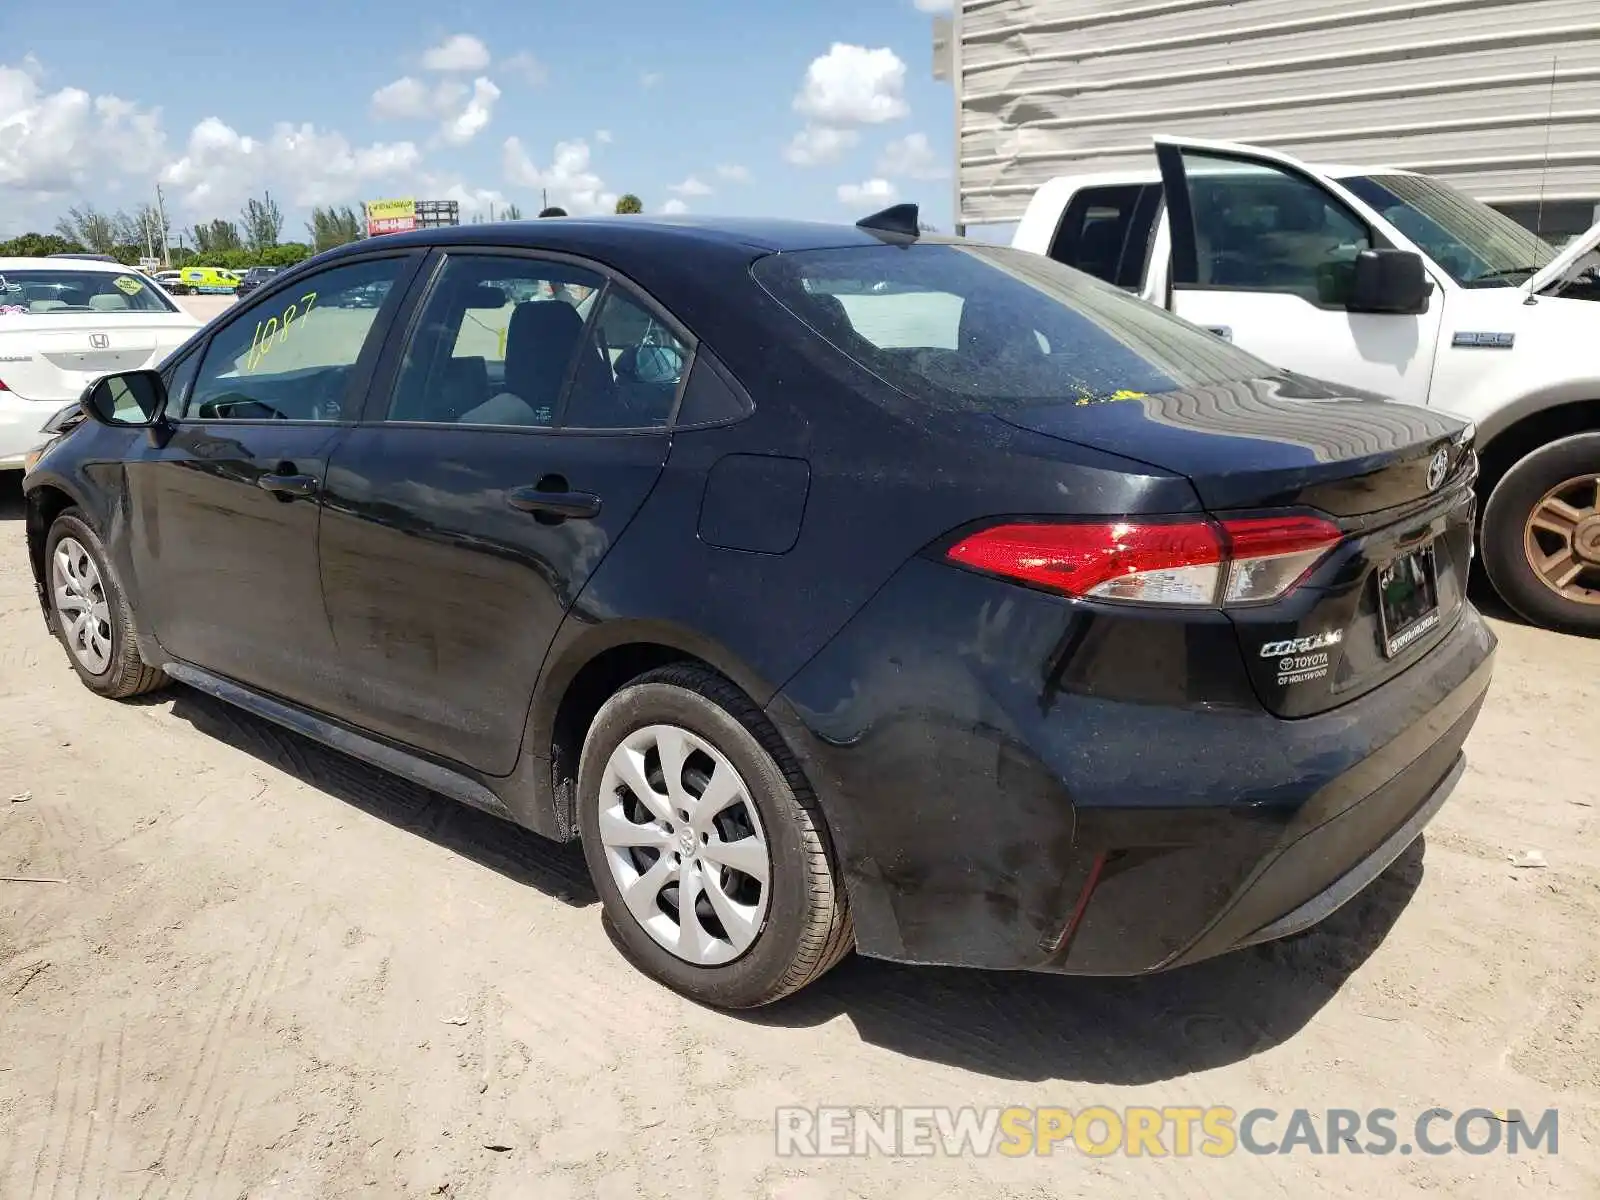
(987, 328)
(51, 290)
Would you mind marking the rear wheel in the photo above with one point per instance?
(1541, 535)
(705, 843)
(91, 615)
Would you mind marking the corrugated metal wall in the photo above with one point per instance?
(1457, 88)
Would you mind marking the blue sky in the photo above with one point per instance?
(826, 109)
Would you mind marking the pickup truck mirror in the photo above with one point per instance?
(127, 400)
(1389, 281)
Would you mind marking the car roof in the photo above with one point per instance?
(63, 264)
(635, 233)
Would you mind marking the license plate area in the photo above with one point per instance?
(1408, 599)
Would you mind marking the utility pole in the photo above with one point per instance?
(161, 215)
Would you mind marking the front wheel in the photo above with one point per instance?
(91, 615)
(1541, 535)
(705, 843)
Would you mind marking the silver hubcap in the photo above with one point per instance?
(80, 600)
(685, 844)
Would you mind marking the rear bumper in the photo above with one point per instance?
(21, 423)
(1015, 781)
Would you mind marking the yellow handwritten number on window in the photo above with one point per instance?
(274, 331)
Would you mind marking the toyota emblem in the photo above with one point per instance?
(1438, 469)
(99, 341)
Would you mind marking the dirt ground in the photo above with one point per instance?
(264, 970)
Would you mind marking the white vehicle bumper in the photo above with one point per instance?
(21, 425)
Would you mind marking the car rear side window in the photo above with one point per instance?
(1108, 231)
(987, 328)
(495, 342)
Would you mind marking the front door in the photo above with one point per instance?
(225, 514)
(525, 425)
(1263, 253)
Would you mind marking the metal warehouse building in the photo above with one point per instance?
(1500, 97)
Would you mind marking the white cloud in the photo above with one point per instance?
(570, 180)
(603, 136)
(60, 142)
(911, 157)
(302, 164)
(650, 78)
(874, 193)
(463, 112)
(525, 67)
(674, 208)
(933, 6)
(474, 118)
(734, 173)
(817, 144)
(691, 187)
(404, 99)
(851, 85)
(459, 52)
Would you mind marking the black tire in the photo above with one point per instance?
(1505, 519)
(126, 673)
(807, 930)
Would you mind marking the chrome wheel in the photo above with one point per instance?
(81, 609)
(685, 844)
(1562, 539)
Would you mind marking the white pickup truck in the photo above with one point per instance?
(1391, 282)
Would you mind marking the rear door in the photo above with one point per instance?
(510, 440)
(224, 514)
(1263, 252)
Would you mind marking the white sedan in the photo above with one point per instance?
(64, 323)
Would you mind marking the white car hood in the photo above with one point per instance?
(54, 356)
(1562, 263)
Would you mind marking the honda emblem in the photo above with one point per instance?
(99, 341)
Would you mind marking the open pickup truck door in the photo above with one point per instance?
(1289, 265)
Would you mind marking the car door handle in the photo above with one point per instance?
(289, 486)
(550, 498)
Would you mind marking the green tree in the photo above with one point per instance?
(38, 245)
(216, 237)
(512, 213)
(262, 221)
(89, 227)
(330, 227)
(629, 203)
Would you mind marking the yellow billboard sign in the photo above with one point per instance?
(391, 216)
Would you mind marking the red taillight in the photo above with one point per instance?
(1156, 562)
(3, 387)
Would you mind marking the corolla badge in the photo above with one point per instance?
(1438, 469)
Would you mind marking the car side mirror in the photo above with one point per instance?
(126, 400)
(1389, 281)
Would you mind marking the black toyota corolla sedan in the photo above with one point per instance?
(840, 587)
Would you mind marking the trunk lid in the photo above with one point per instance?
(1396, 479)
(53, 358)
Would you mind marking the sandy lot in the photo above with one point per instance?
(267, 970)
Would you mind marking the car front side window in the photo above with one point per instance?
(292, 356)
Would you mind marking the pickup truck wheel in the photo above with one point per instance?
(705, 843)
(1541, 535)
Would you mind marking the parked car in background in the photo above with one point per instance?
(172, 281)
(1390, 282)
(209, 281)
(254, 278)
(64, 323)
(838, 586)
